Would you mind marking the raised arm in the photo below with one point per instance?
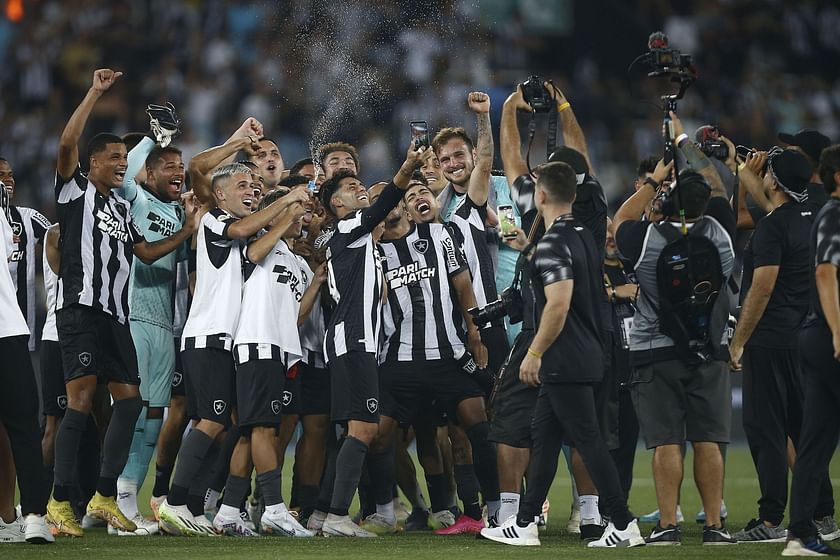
(697, 160)
(203, 163)
(572, 132)
(511, 142)
(635, 206)
(136, 160)
(479, 187)
(68, 144)
(392, 193)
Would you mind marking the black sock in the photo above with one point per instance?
(382, 474)
(468, 490)
(438, 485)
(236, 488)
(269, 484)
(308, 499)
(190, 461)
(484, 460)
(348, 469)
(294, 497)
(328, 480)
(162, 476)
(89, 462)
(195, 504)
(202, 482)
(118, 443)
(67, 442)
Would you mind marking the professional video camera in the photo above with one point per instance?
(663, 61)
(708, 138)
(509, 305)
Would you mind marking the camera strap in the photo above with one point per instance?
(551, 141)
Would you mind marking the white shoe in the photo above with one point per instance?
(316, 521)
(613, 538)
(154, 503)
(89, 522)
(13, 532)
(144, 528)
(232, 526)
(401, 510)
(206, 527)
(280, 522)
(444, 518)
(36, 530)
(343, 526)
(379, 524)
(246, 519)
(178, 520)
(511, 533)
(573, 526)
(127, 497)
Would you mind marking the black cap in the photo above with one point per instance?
(574, 158)
(811, 141)
(792, 172)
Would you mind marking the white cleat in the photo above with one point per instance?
(89, 522)
(613, 538)
(343, 526)
(232, 526)
(36, 530)
(443, 519)
(145, 528)
(178, 520)
(316, 521)
(283, 523)
(511, 533)
(14, 532)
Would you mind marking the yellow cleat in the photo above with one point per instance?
(107, 510)
(62, 520)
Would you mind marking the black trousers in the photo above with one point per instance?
(820, 429)
(566, 412)
(773, 400)
(19, 415)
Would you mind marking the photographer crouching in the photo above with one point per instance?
(680, 381)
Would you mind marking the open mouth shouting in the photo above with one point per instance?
(120, 175)
(362, 197)
(248, 202)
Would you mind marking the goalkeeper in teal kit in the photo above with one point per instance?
(157, 212)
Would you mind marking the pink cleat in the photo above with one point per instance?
(464, 525)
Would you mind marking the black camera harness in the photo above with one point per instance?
(551, 144)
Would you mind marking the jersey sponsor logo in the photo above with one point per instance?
(161, 225)
(372, 405)
(285, 276)
(111, 226)
(219, 406)
(287, 398)
(421, 245)
(84, 358)
(61, 401)
(408, 274)
(276, 406)
(449, 250)
(177, 377)
(16, 255)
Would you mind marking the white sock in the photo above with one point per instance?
(493, 507)
(276, 509)
(211, 498)
(589, 508)
(509, 505)
(229, 511)
(387, 511)
(127, 497)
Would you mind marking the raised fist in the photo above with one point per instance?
(104, 78)
(479, 102)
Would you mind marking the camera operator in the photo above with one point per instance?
(810, 143)
(776, 283)
(819, 340)
(566, 281)
(677, 398)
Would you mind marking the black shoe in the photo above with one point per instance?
(667, 536)
(591, 531)
(717, 535)
(418, 520)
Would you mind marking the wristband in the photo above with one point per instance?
(563, 107)
(535, 354)
(680, 139)
(652, 182)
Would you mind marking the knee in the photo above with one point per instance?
(131, 406)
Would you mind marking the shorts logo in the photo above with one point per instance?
(372, 405)
(219, 407)
(62, 402)
(177, 377)
(275, 406)
(421, 245)
(287, 398)
(84, 358)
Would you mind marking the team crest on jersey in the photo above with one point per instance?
(276, 406)
(84, 358)
(177, 377)
(422, 245)
(372, 405)
(62, 402)
(17, 229)
(219, 407)
(287, 398)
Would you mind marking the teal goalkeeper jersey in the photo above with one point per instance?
(151, 287)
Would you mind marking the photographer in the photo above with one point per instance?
(565, 359)
(677, 396)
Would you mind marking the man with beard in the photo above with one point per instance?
(266, 155)
(338, 156)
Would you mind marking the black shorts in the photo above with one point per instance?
(407, 387)
(259, 392)
(315, 390)
(354, 388)
(53, 389)
(211, 383)
(495, 340)
(292, 393)
(513, 402)
(179, 384)
(94, 343)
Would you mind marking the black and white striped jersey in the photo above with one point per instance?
(28, 229)
(97, 247)
(355, 279)
(215, 306)
(468, 221)
(50, 331)
(271, 296)
(422, 320)
(12, 322)
(312, 330)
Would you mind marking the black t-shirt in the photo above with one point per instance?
(824, 248)
(781, 239)
(567, 252)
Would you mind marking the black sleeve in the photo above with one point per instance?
(828, 238)
(720, 209)
(553, 259)
(590, 208)
(387, 201)
(630, 239)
